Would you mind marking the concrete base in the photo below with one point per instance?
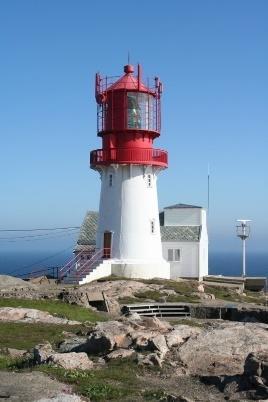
(141, 270)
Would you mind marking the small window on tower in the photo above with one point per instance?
(152, 226)
(110, 180)
(149, 180)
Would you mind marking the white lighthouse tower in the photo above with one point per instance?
(128, 235)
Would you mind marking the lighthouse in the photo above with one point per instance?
(129, 119)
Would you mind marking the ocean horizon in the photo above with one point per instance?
(220, 263)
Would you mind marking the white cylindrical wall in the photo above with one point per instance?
(129, 209)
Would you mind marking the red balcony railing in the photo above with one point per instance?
(137, 156)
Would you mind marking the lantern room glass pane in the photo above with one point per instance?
(140, 111)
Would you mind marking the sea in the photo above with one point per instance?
(19, 263)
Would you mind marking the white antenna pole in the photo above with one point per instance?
(243, 230)
(244, 257)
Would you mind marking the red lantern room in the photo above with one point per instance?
(129, 119)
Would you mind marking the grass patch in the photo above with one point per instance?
(56, 307)
(117, 381)
(26, 336)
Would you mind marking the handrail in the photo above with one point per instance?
(67, 267)
(152, 156)
(92, 260)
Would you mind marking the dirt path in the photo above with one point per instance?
(33, 387)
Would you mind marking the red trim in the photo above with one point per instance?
(136, 156)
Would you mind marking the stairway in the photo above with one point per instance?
(79, 271)
(158, 309)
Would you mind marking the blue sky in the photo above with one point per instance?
(212, 57)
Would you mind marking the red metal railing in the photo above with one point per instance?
(137, 156)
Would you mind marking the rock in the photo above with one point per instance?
(121, 354)
(42, 353)
(11, 281)
(110, 334)
(223, 351)
(201, 288)
(155, 324)
(153, 359)
(180, 334)
(31, 316)
(71, 361)
(252, 365)
(74, 344)
(158, 342)
(16, 353)
(61, 397)
(141, 339)
(134, 317)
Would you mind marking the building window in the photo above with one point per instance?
(110, 180)
(174, 254)
(177, 254)
(152, 226)
(170, 254)
(149, 180)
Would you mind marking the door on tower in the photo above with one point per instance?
(107, 244)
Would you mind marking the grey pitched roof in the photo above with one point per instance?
(178, 206)
(180, 233)
(87, 235)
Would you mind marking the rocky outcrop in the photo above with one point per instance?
(71, 361)
(29, 315)
(44, 353)
(180, 334)
(223, 350)
(121, 354)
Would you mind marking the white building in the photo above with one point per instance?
(184, 240)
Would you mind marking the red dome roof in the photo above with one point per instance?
(129, 82)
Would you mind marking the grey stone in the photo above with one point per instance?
(42, 352)
(71, 361)
(121, 354)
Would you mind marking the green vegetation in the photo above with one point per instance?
(56, 307)
(26, 336)
(230, 294)
(117, 381)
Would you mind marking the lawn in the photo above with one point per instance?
(26, 336)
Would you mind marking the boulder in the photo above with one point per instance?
(153, 323)
(223, 350)
(111, 334)
(74, 344)
(121, 354)
(17, 353)
(180, 334)
(153, 359)
(42, 353)
(141, 339)
(71, 361)
(30, 315)
(159, 344)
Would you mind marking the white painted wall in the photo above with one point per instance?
(127, 209)
(182, 217)
(188, 266)
(203, 246)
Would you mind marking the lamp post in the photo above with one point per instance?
(242, 231)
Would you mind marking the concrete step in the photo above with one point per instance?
(158, 309)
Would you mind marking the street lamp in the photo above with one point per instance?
(242, 231)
